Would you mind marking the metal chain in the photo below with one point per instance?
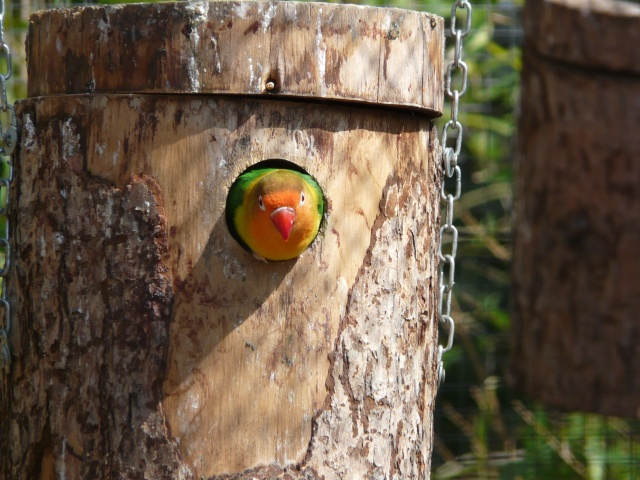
(452, 171)
(8, 140)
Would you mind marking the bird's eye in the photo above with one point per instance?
(301, 198)
(261, 203)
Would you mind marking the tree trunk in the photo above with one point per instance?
(576, 268)
(148, 344)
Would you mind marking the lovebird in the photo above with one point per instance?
(274, 213)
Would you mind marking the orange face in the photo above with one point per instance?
(281, 217)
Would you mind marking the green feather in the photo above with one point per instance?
(235, 197)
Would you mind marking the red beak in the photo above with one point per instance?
(283, 219)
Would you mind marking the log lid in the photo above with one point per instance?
(601, 34)
(382, 56)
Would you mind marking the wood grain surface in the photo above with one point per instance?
(381, 56)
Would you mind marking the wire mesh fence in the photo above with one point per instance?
(483, 429)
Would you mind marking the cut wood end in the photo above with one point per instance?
(343, 53)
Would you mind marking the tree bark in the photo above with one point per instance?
(148, 344)
(576, 268)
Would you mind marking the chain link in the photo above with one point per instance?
(450, 156)
(8, 141)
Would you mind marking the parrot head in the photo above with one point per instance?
(275, 213)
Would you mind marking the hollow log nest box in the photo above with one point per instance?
(576, 268)
(147, 343)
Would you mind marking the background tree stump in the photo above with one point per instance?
(576, 268)
(148, 344)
